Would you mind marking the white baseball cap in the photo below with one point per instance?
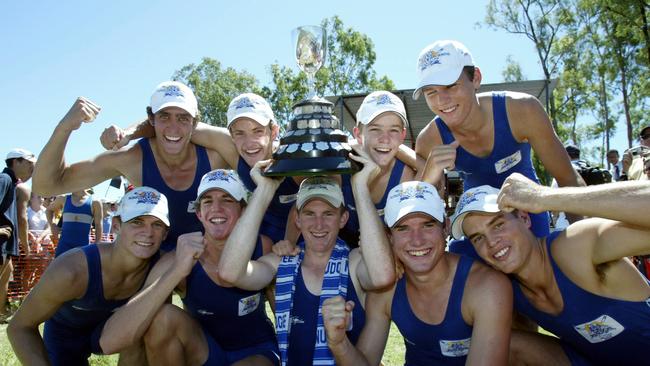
(319, 187)
(174, 94)
(377, 103)
(143, 201)
(252, 106)
(19, 153)
(410, 197)
(225, 180)
(441, 63)
(477, 199)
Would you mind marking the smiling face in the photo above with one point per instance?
(381, 137)
(454, 103)
(500, 238)
(418, 241)
(142, 235)
(319, 222)
(173, 128)
(253, 141)
(218, 211)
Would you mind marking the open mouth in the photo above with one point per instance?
(173, 138)
(218, 220)
(450, 109)
(501, 253)
(144, 243)
(419, 253)
(319, 234)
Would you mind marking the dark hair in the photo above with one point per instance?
(469, 71)
(612, 151)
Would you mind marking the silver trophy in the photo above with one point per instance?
(309, 42)
(313, 143)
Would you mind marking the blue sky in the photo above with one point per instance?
(116, 52)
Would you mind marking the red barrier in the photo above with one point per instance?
(29, 269)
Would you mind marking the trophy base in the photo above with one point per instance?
(308, 167)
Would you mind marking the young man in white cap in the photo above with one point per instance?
(221, 324)
(577, 283)
(323, 267)
(450, 309)
(82, 288)
(169, 161)
(485, 136)
(380, 131)
(13, 220)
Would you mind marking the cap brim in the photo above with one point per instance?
(264, 121)
(182, 106)
(334, 202)
(374, 115)
(407, 210)
(457, 221)
(439, 79)
(159, 216)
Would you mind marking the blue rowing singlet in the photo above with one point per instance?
(235, 318)
(181, 211)
(446, 343)
(508, 156)
(606, 331)
(77, 221)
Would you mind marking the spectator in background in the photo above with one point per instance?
(108, 210)
(20, 166)
(615, 165)
(80, 210)
(633, 165)
(39, 227)
(646, 167)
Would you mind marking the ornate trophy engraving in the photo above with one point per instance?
(313, 143)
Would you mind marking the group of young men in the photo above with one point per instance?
(204, 220)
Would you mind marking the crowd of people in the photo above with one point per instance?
(337, 258)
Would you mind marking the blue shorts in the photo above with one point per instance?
(217, 356)
(66, 345)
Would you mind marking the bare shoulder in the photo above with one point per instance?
(484, 282)
(522, 104)
(67, 275)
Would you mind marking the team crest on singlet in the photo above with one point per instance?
(454, 348)
(508, 162)
(600, 329)
(248, 304)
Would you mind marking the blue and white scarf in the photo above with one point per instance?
(335, 282)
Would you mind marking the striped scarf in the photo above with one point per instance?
(335, 281)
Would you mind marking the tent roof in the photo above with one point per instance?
(417, 111)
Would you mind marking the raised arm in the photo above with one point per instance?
(235, 264)
(53, 176)
(127, 325)
(65, 279)
(377, 268)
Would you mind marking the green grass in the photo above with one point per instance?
(393, 356)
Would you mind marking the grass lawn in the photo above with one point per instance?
(393, 356)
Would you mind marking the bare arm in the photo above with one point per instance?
(114, 137)
(218, 139)
(336, 318)
(410, 158)
(373, 338)
(53, 176)
(22, 201)
(127, 325)
(235, 264)
(530, 123)
(623, 202)
(376, 269)
(64, 280)
(488, 301)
